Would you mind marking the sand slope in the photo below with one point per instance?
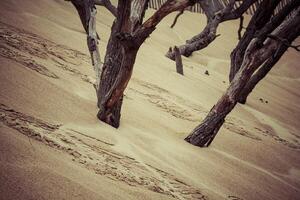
(53, 147)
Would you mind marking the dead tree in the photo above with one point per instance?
(128, 34)
(215, 14)
(258, 51)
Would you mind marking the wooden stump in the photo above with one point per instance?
(178, 60)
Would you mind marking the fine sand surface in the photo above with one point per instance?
(53, 147)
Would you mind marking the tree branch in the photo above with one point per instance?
(165, 9)
(108, 5)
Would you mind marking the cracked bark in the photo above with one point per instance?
(130, 33)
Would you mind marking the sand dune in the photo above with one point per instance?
(53, 147)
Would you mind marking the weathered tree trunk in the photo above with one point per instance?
(129, 34)
(260, 74)
(203, 134)
(178, 60)
(111, 67)
(257, 53)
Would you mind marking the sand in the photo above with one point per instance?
(53, 147)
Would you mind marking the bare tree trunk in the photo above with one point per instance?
(203, 134)
(110, 71)
(178, 60)
(257, 53)
(130, 33)
(260, 74)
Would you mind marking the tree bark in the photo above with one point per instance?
(256, 53)
(178, 60)
(130, 33)
(261, 16)
(92, 41)
(260, 74)
(111, 67)
(204, 134)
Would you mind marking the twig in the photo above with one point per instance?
(175, 19)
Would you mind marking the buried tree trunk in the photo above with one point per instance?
(257, 52)
(111, 68)
(129, 34)
(178, 60)
(204, 134)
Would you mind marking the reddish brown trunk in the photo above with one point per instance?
(111, 68)
(128, 35)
